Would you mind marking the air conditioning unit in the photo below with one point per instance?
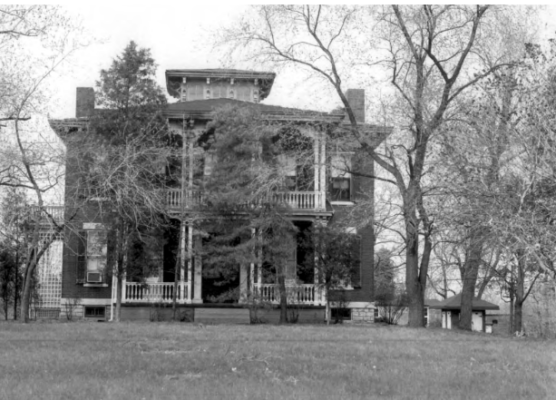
(94, 277)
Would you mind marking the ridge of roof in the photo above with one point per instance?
(454, 303)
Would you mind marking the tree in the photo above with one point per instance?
(248, 221)
(334, 258)
(36, 42)
(120, 162)
(433, 54)
(391, 299)
(13, 229)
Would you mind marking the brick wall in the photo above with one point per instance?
(84, 102)
(356, 99)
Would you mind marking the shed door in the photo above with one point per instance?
(477, 322)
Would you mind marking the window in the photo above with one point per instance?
(340, 189)
(340, 314)
(195, 92)
(91, 254)
(95, 312)
(244, 93)
(340, 178)
(288, 167)
(210, 160)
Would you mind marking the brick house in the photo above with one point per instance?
(320, 195)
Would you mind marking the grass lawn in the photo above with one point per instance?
(186, 361)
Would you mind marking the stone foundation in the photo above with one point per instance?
(365, 314)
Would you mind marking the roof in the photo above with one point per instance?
(266, 79)
(431, 302)
(454, 303)
(204, 108)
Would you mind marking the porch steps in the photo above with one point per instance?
(222, 315)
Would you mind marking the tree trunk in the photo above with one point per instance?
(327, 310)
(283, 299)
(519, 292)
(512, 307)
(415, 280)
(26, 295)
(469, 277)
(16, 281)
(119, 285)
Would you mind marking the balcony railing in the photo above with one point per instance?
(295, 200)
(39, 213)
(296, 294)
(160, 292)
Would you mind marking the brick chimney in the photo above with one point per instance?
(356, 99)
(84, 102)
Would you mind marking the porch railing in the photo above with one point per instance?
(160, 292)
(295, 200)
(297, 294)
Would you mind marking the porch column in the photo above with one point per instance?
(259, 261)
(198, 273)
(316, 168)
(317, 225)
(183, 255)
(322, 168)
(243, 283)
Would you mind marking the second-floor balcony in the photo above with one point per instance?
(296, 200)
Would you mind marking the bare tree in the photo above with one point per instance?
(432, 54)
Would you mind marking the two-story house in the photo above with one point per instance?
(320, 193)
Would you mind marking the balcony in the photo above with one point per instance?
(306, 201)
(39, 214)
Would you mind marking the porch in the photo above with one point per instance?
(163, 293)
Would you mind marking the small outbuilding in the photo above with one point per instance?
(451, 309)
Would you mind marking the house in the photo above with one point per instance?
(318, 195)
(451, 309)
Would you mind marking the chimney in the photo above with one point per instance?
(356, 99)
(84, 102)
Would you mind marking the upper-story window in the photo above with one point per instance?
(340, 178)
(195, 91)
(219, 92)
(244, 93)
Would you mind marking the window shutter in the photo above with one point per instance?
(110, 254)
(356, 261)
(81, 257)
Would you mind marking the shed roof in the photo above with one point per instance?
(454, 303)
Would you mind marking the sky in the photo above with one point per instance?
(179, 37)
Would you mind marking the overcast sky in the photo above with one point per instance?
(179, 37)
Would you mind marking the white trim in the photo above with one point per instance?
(95, 285)
(342, 203)
(354, 304)
(91, 226)
(90, 302)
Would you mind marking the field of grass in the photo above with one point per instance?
(187, 361)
